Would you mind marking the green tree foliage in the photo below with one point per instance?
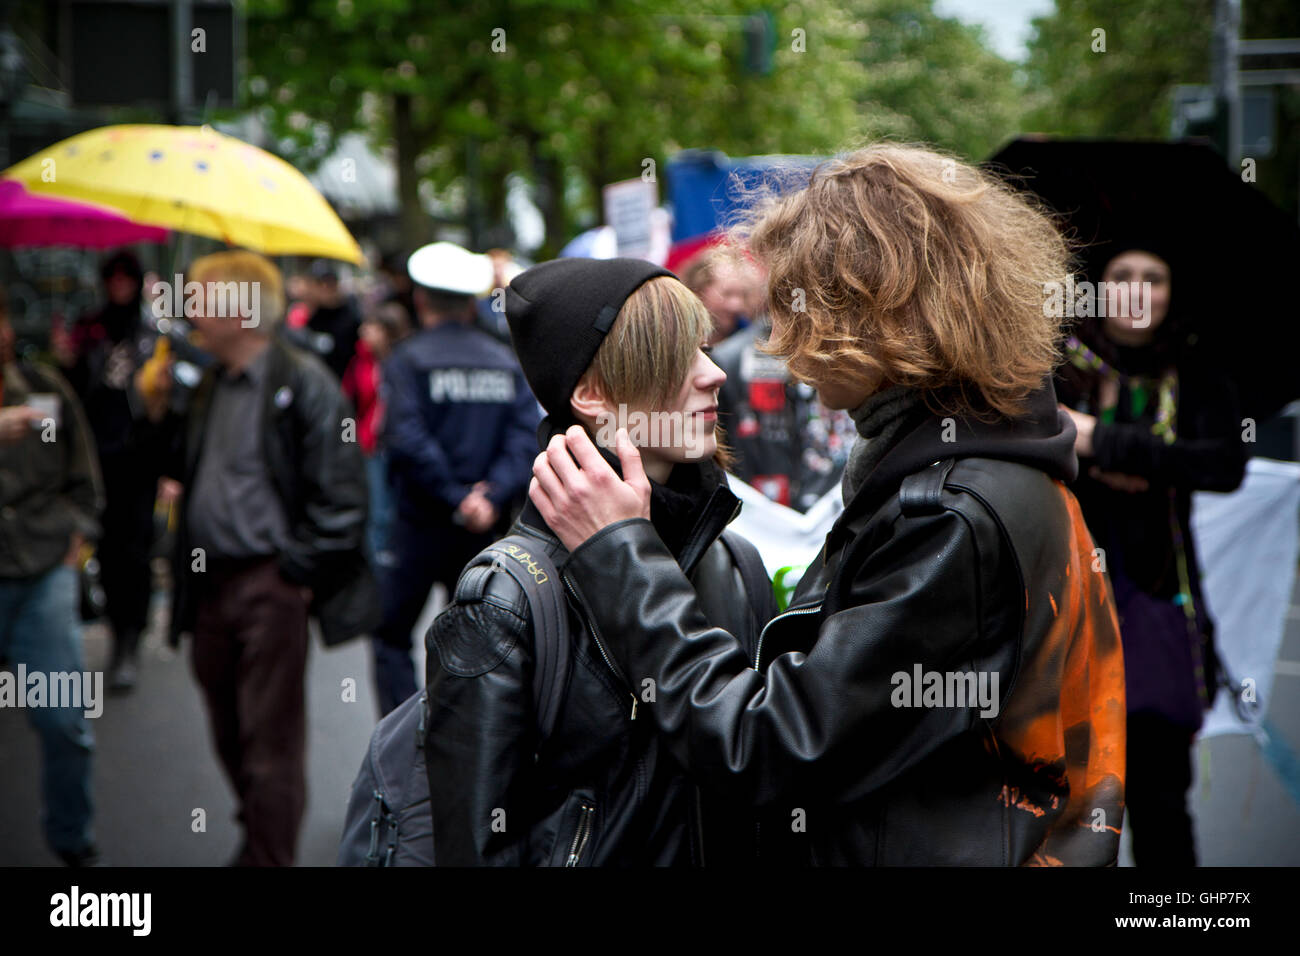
(1277, 176)
(1150, 47)
(574, 94)
(1124, 92)
(934, 80)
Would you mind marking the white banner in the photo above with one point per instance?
(783, 536)
(1248, 543)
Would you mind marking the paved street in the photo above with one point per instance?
(155, 767)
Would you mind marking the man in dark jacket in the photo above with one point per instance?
(460, 429)
(600, 790)
(50, 501)
(273, 519)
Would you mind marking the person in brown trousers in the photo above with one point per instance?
(273, 518)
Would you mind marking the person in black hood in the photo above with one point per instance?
(109, 346)
(1155, 422)
(946, 686)
(602, 343)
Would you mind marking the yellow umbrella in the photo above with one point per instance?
(193, 179)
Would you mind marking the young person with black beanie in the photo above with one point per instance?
(601, 342)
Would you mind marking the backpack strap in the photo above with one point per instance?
(753, 573)
(529, 562)
(922, 493)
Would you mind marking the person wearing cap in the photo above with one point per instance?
(601, 342)
(459, 429)
(334, 325)
(1156, 419)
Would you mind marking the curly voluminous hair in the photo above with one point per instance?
(898, 265)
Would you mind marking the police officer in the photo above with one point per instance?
(461, 433)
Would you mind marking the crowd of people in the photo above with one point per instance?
(347, 452)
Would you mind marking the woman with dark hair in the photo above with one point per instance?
(946, 686)
(108, 347)
(1155, 422)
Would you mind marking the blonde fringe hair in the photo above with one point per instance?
(913, 269)
(648, 352)
(650, 348)
(240, 265)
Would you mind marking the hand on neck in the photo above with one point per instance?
(658, 469)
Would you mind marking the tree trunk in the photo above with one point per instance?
(599, 175)
(550, 200)
(498, 231)
(414, 223)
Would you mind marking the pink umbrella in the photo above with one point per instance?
(30, 220)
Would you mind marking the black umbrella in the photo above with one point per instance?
(1232, 253)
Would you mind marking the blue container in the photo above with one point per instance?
(706, 187)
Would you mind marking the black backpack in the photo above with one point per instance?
(389, 821)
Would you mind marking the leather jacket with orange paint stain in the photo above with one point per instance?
(947, 685)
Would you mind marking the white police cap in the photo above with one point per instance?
(450, 268)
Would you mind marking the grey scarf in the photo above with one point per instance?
(878, 420)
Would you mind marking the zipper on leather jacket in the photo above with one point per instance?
(601, 647)
(586, 813)
(792, 612)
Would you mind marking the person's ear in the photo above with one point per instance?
(587, 400)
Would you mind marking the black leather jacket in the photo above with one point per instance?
(966, 558)
(602, 791)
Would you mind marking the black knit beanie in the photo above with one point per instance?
(559, 313)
